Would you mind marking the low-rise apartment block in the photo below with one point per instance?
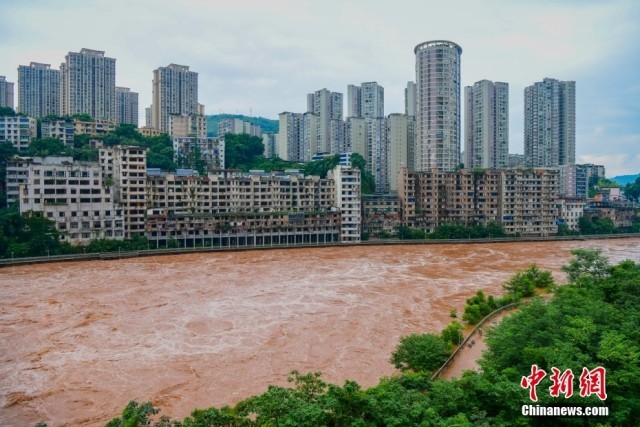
(196, 152)
(74, 195)
(620, 212)
(380, 214)
(18, 130)
(570, 210)
(238, 126)
(346, 182)
(125, 169)
(523, 201)
(94, 127)
(63, 129)
(233, 208)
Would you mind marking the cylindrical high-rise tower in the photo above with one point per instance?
(437, 105)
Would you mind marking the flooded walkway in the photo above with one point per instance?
(467, 358)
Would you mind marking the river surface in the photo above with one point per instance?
(78, 340)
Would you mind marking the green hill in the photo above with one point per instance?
(267, 125)
(626, 179)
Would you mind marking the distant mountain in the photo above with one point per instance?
(267, 125)
(625, 179)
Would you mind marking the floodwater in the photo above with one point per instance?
(78, 340)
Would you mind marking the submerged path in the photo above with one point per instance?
(467, 358)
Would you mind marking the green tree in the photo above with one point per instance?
(7, 112)
(135, 415)
(83, 117)
(368, 181)
(478, 307)
(48, 147)
(632, 190)
(587, 264)
(322, 166)
(452, 334)
(523, 283)
(240, 150)
(420, 352)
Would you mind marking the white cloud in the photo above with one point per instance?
(267, 55)
(616, 164)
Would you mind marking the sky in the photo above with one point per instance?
(262, 57)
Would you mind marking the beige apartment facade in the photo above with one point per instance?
(242, 208)
(74, 195)
(523, 201)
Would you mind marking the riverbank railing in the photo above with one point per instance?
(10, 260)
(464, 343)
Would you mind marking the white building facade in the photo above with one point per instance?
(486, 125)
(88, 85)
(38, 90)
(438, 117)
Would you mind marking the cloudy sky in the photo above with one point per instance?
(262, 57)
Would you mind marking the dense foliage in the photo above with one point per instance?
(33, 235)
(242, 150)
(420, 353)
(454, 231)
(28, 235)
(590, 322)
(595, 225)
(632, 190)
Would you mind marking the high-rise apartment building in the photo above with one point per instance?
(366, 100)
(126, 106)
(354, 108)
(175, 91)
(356, 136)
(486, 125)
(6, 92)
(399, 134)
(410, 94)
(550, 123)
(372, 100)
(327, 106)
(437, 105)
(88, 85)
(297, 138)
(377, 152)
(38, 90)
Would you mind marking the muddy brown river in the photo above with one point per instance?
(78, 340)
